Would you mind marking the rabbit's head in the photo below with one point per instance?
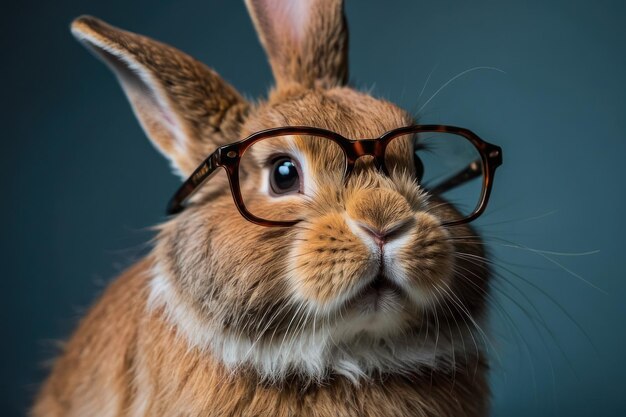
(369, 281)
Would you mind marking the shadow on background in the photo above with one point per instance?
(81, 184)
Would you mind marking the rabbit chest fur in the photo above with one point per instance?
(125, 362)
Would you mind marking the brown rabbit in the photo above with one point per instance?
(362, 308)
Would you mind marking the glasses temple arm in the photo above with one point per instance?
(473, 170)
(191, 185)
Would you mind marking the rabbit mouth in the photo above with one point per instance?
(380, 295)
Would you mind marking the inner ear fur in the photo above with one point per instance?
(185, 108)
(306, 40)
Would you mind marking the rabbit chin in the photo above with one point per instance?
(380, 309)
(370, 338)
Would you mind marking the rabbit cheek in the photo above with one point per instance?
(329, 261)
(425, 261)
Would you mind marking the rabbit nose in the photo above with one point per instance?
(395, 231)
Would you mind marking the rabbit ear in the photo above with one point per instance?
(306, 40)
(183, 106)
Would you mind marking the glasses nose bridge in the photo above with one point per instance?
(367, 147)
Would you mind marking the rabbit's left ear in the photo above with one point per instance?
(306, 40)
(184, 107)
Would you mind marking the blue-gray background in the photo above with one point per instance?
(81, 184)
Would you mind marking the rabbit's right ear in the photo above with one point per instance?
(306, 40)
(184, 107)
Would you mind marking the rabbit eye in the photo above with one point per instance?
(284, 176)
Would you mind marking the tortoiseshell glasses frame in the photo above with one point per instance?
(228, 157)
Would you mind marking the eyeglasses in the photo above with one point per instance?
(287, 165)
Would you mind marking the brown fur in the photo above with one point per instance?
(138, 354)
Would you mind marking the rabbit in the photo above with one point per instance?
(225, 317)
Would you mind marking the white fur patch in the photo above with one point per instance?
(344, 349)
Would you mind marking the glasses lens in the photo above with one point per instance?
(279, 175)
(447, 165)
